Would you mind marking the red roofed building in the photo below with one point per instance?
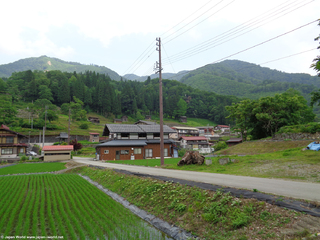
(57, 152)
(10, 146)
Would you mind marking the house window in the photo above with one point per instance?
(124, 152)
(125, 135)
(156, 135)
(142, 135)
(165, 152)
(106, 151)
(21, 150)
(149, 153)
(9, 139)
(137, 151)
(6, 151)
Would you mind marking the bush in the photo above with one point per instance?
(220, 145)
(84, 126)
(182, 152)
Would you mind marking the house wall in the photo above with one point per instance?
(93, 138)
(112, 152)
(3, 140)
(57, 155)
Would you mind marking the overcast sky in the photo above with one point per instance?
(121, 35)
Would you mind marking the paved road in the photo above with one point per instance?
(300, 190)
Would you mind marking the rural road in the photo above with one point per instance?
(294, 189)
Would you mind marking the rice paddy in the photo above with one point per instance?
(32, 168)
(65, 206)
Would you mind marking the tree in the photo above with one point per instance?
(242, 114)
(181, 108)
(266, 116)
(45, 93)
(316, 64)
(7, 111)
(76, 145)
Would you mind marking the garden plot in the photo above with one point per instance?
(65, 205)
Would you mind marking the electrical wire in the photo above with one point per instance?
(274, 60)
(269, 40)
(209, 43)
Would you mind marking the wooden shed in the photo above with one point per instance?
(57, 152)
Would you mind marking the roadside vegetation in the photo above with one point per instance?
(32, 168)
(206, 214)
(65, 205)
(283, 159)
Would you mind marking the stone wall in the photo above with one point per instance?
(297, 136)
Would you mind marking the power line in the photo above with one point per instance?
(265, 41)
(185, 19)
(196, 19)
(144, 54)
(209, 43)
(274, 60)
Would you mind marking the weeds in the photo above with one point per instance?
(210, 215)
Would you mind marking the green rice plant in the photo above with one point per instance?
(31, 190)
(10, 208)
(32, 168)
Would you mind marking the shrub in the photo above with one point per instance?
(182, 152)
(84, 126)
(220, 145)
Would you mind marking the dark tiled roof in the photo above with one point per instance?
(156, 129)
(124, 128)
(146, 122)
(132, 128)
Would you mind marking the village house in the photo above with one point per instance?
(94, 137)
(94, 119)
(233, 141)
(10, 146)
(199, 143)
(134, 141)
(222, 128)
(186, 131)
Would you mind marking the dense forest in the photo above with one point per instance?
(98, 93)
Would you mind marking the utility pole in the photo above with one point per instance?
(159, 68)
(69, 127)
(45, 126)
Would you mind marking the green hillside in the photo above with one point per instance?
(45, 63)
(242, 79)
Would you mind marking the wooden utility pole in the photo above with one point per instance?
(69, 126)
(159, 67)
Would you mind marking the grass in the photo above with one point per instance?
(32, 168)
(206, 214)
(276, 160)
(67, 206)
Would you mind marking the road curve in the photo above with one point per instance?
(294, 189)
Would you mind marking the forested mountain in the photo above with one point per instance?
(242, 79)
(45, 63)
(97, 92)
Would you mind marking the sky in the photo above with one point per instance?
(121, 35)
